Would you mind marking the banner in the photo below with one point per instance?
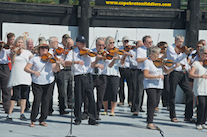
(140, 3)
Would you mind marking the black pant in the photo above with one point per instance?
(20, 89)
(181, 79)
(111, 88)
(100, 83)
(153, 95)
(135, 92)
(6, 92)
(140, 89)
(42, 94)
(125, 74)
(166, 91)
(202, 110)
(84, 85)
(64, 84)
(27, 102)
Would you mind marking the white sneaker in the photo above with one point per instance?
(199, 127)
(204, 126)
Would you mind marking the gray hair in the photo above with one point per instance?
(154, 50)
(20, 38)
(99, 38)
(107, 40)
(202, 49)
(29, 39)
(179, 36)
(51, 39)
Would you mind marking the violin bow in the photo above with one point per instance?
(116, 37)
(3, 44)
(92, 43)
(37, 39)
(158, 38)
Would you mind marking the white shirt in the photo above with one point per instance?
(153, 70)
(141, 53)
(61, 45)
(114, 70)
(177, 58)
(46, 75)
(199, 84)
(126, 63)
(3, 56)
(103, 62)
(18, 76)
(133, 60)
(78, 69)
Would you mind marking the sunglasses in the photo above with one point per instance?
(101, 45)
(111, 42)
(205, 53)
(44, 47)
(126, 41)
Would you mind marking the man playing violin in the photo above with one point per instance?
(83, 81)
(63, 44)
(125, 74)
(179, 77)
(59, 77)
(99, 71)
(142, 55)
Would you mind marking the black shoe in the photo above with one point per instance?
(8, 118)
(70, 105)
(26, 109)
(141, 110)
(191, 120)
(77, 122)
(22, 117)
(93, 122)
(84, 117)
(135, 115)
(50, 112)
(63, 112)
(98, 118)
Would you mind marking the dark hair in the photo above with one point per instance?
(161, 43)
(145, 37)
(199, 42)
(10, 35)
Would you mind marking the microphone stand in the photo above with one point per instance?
(72, 96)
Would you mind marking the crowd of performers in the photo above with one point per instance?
(156, 69)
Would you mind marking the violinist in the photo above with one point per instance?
(59, 77)
(133, 78)
(142, 55)
(198, 73)
(153, 82)
(83, 81)
(63, 44)
(19, 79)
(4, 77)
(10, 39)
(125, 74)
(99, 71)
(179, 76)
(112, 79)
(42, 83)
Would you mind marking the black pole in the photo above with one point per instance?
(83, 21)
(192, 23)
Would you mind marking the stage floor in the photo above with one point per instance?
(122, 125)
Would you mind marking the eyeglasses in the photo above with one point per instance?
(150, 42)
(44, 47)
(205, 53)
(101, 45)
(111, 42)
(126, 41)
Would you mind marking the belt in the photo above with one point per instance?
(84, 74)
(99, 75)
(124, 68)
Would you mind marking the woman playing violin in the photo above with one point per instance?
(153, 83)
(19, 79)
(42, 83)
(112, 79)
(198, 72)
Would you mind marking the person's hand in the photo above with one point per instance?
(101, 66)
(204, 76)
(188, 51)
(37, 73)
(161, 76)
(177, 65)
(81, 63)
(116, 57)
(98, 57)
(58, 62)
(61, 61)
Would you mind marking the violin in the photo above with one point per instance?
(4, 45)
(162, 48)
(59, 51)
(205, 63)
(18, 52)
(182, 49)
(48, 57)
(161, 62)
(129, 47)
(87, 52)
(118, 51)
